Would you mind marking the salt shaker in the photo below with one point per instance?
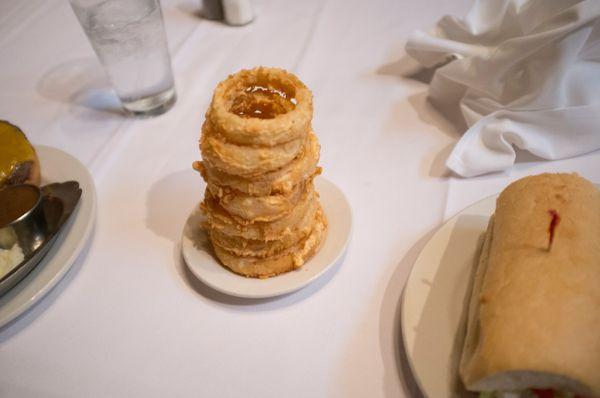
(238, 12)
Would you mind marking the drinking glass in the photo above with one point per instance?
(129, 39)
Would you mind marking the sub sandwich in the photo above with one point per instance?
(533, 324)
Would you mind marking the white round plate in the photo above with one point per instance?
(435, 297)
(56, 166)
(197, 253)
(435, 301)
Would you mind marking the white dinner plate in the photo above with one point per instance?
(435, 297)
(56, 166)
(198, 256)
(435, 301)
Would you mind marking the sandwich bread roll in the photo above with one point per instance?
(534, 315)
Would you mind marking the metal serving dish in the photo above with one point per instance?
(58, 202)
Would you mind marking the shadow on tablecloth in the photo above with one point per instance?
(81, 82)
(397, 368)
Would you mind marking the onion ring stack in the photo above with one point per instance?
(260, 156)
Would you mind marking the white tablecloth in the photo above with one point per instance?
(129, 320)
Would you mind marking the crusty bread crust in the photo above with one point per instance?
(534, 316)
(472, 334)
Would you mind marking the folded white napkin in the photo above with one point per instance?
(524, 73)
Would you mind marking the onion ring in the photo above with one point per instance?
(281, 180)
(247, 161)
(282, 128)
(292, 258)
(219, 219)
(258, 248)
(257, 208)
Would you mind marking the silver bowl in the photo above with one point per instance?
(22, 217)
(36, 229)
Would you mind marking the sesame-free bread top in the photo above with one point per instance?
(535, 309)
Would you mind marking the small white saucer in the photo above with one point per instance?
(200, 260)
